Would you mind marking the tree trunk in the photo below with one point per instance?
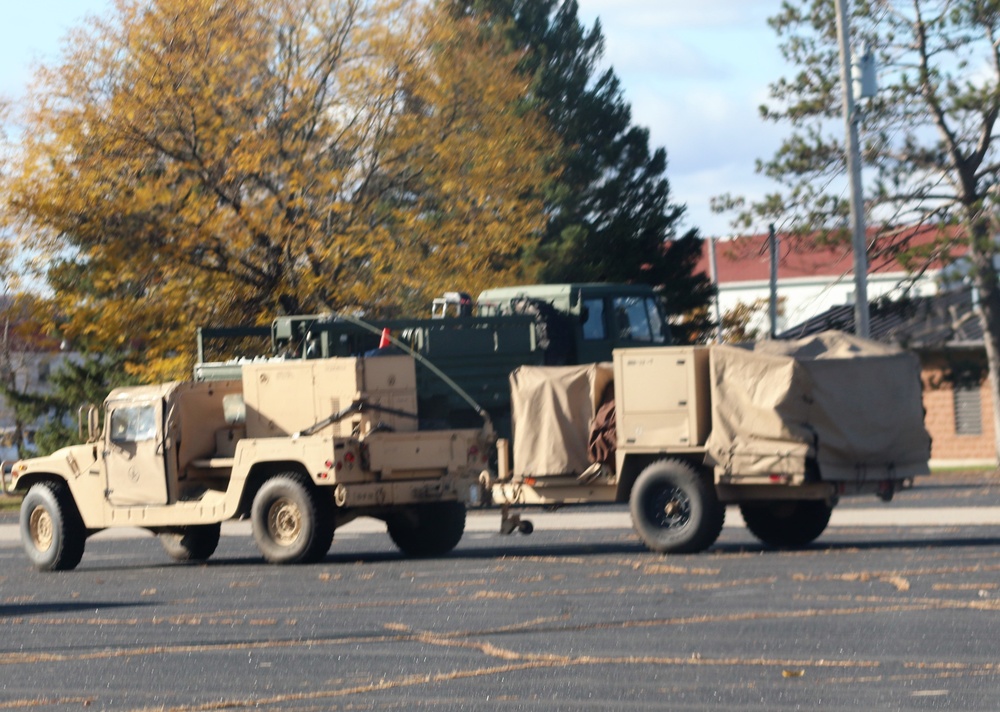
(989, 316)
(984, 278)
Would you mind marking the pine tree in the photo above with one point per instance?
(929, 136)
(610, 217)
(73, 385)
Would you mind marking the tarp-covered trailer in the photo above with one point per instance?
(781, 428)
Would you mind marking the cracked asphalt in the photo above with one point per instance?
(882, 612)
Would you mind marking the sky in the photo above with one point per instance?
(694, 73)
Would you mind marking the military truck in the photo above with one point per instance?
(781, 429)
(475, 344)
(299, 448)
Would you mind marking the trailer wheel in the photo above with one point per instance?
(427, 529)
(52, 531)
(787, 524)
(290, 524)
(674, 510)
(193, 543)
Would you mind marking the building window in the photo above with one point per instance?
(968, 410)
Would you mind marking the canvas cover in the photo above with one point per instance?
(551, 409)
(851, 404)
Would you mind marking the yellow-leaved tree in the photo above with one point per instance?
(205, 162)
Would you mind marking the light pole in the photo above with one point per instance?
(861, 320)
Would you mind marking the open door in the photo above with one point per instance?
(134, 454)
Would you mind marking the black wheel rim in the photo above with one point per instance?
(669, 508)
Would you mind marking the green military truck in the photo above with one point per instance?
(476, 345)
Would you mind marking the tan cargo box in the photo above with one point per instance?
(285, 397)
(662, 396)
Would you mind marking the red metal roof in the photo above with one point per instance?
(746, 259)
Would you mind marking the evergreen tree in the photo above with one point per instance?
(75, 384)
(609, 212)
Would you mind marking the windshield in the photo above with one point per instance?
(639, 319)
(133, 423)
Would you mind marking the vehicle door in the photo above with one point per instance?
(614, 322)
(637, 322)
(134, 453)
(595, 342)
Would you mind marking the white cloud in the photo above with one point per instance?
(695, 75)
(675, 14)
(697, 188)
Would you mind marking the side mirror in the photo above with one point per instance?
(93, 424)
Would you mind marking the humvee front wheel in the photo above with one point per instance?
(787, 524)
(52, 531)
(675, 511)
(192, 543)
(427, 529)
(290, 524)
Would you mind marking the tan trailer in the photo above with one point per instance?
(782, 429)
(298, 447)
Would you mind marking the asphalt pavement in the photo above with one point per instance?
(894, 607)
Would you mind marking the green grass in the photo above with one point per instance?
(964, 470)
(10, 503)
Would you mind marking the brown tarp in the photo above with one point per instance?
(603, 440)
(551, 408)
(851, 404)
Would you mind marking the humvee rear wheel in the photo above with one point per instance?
(289, 522)
(52, 531)
(787, 524)
(675, 511)
(193, 543)
(427, 529)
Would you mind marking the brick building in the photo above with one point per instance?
(959, 417)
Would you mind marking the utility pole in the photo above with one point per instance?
(714, 274)
(772, 246)
(861, 321)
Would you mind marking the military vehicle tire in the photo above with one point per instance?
(290, 524)
(192, 543)
(427, 529)
(787, 524)
(52, 531)
(674, 510)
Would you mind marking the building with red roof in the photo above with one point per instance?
(813, 278)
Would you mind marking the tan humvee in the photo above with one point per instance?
(298, 447)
